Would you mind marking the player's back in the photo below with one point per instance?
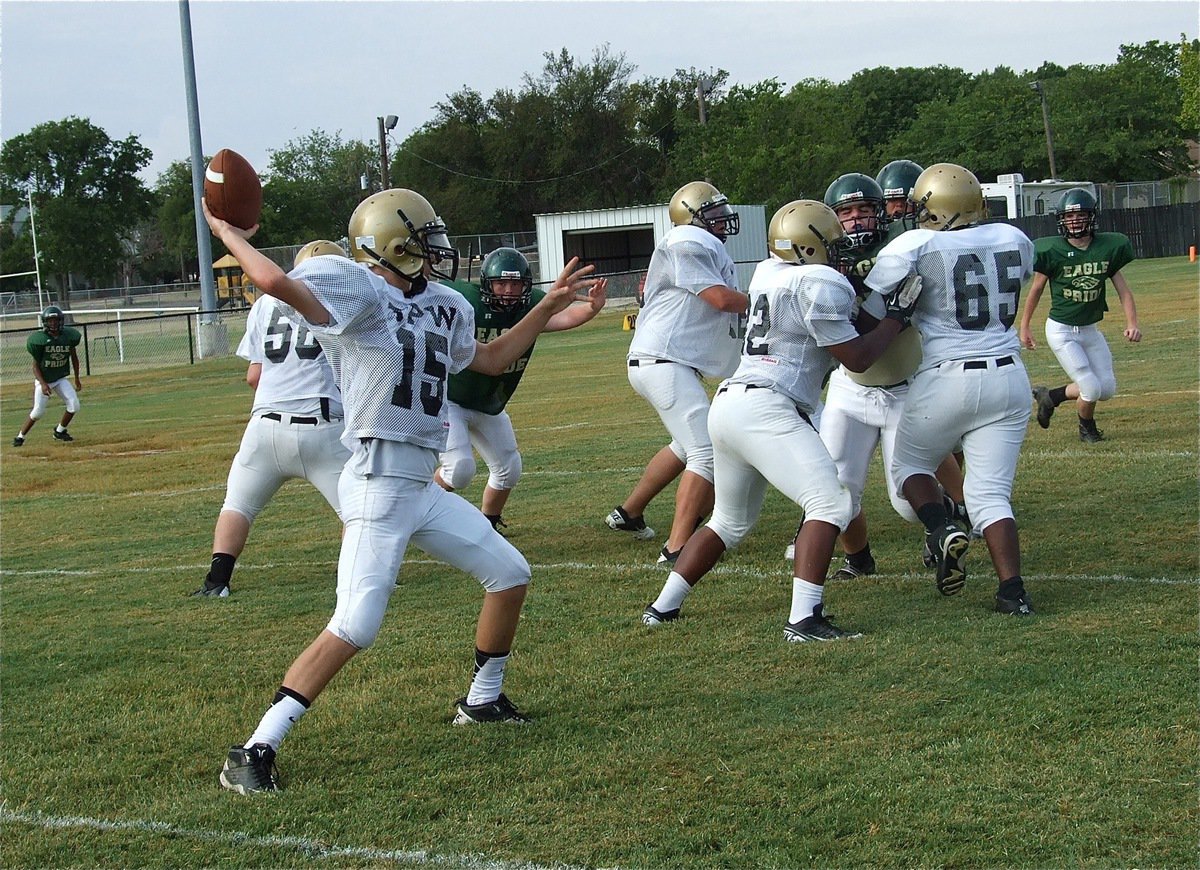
(971, 288)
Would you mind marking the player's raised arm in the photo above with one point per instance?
(263, 272)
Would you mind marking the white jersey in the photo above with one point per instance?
(391, 354)
(295, 374)
(972, 281)
(795, 313)
(676, 324)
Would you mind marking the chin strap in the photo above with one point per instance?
(416, 285)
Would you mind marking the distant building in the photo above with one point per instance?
(621, 240)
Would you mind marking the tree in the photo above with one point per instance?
(1189, 83)
(175, 217)
(86, 193)
(313, 184)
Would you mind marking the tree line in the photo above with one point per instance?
(592, 134)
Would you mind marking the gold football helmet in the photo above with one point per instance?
(806, 232)
(947, 197)
(399, 230)
(319, 248)
(700, 204)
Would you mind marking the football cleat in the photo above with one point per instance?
(619, 521)
(252, 770)
(64, 435)
(1045, 406)
(949, 548)
(1090, 435)
(848, 571)
(213, 590)
(652, 617)
(1020, 606)
(499, 710)
(17, 442)
(816, 627)
(668, 557)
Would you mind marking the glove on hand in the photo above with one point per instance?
(903, 300)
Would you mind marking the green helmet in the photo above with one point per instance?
(897, 179)
(1075, 201)
(850, 189)
(52, 312)
(501, 264)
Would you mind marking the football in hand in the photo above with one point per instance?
(232, 189)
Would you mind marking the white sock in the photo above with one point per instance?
(277, 722)
(673, 592)
(20, 437)
(488, 680)
(60, 428)
(805, 598)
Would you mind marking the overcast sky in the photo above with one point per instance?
(269, 72)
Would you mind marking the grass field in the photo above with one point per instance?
(947, 736)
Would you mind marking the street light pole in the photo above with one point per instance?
(703, 86)
(1041, 90)
(385, 124)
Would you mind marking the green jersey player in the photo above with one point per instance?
(1077, 264)
(53, 350)
(478, 421)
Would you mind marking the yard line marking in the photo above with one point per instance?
(311, 848)
(747, 571)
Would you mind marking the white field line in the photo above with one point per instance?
(746, 571)
(311, 848)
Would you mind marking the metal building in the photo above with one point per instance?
(621, 240)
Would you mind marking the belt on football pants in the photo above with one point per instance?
(983, 364)
(304, 421)
(634, 363)
(747, 387)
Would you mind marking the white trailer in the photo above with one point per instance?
(1012, 196)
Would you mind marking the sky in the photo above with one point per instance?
(271, 71)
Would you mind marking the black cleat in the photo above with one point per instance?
(248, 771)
(949, 549)
(64, 435)
(1090, 435)
(816, 627)
(667, 557)
(500, 710)
(1045, 406)
(18, 442)
(848, 571)
(212, 590)
(1020, 606)
(652, 617)
(619, 521)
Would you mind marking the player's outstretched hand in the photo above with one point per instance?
(597, 296)
(903, 300)
(573, 285)
(1132, 333)
(218, 226)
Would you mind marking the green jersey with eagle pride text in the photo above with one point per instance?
(1078, 276)
(52, 353)
(476, 391)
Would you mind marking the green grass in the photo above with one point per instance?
(947, 736)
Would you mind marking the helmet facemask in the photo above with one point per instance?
(52, 320)
(1087, 229)
(718, 218)
(862, 231)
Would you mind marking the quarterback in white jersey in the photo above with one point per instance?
(393, 337)
(800, 325)
(689, 329)
(294, 430)
(971, 384)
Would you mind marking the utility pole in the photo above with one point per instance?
(208, 288)
(703, 86)
(385, 124)
(1041, 90)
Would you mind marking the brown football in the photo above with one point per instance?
(232, 189)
